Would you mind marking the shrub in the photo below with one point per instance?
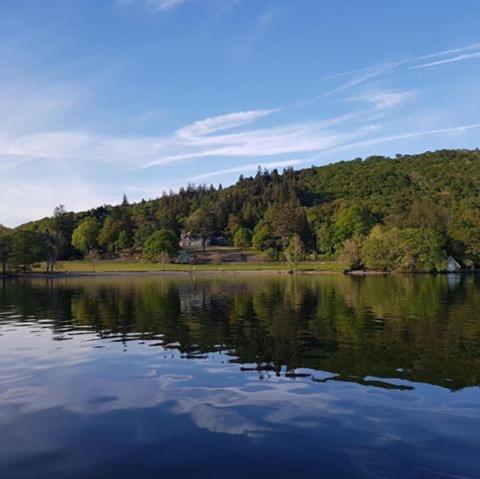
(352, 252)
(271, 254)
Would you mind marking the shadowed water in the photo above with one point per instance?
(240, 376)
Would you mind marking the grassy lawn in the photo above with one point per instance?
(124, 267)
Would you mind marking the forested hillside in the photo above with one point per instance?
(404, 213)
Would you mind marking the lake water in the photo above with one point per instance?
(240, 377)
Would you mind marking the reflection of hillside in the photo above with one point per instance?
(420, 328)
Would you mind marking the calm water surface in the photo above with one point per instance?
(247, 376)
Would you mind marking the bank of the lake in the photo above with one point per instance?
(72, 267)
(109, 267)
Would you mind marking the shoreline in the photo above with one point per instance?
(204, 272)
(86, 274)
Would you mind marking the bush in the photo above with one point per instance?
(271, 254)
(352, 252)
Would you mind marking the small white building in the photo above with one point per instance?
(188, 240)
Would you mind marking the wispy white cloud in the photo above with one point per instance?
(162, 5)
(455, 59)
(454, 129)
(267, 18)
(472, 46)
(245, 44)
(155, 5)
(70, 154)
(207, 138)
(248, 168)
(386, 99)
(223, 122)
(404, 136)
(365, 74)
(295, 137)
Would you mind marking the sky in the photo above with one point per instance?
(104, 97)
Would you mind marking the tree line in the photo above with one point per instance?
(407, 213)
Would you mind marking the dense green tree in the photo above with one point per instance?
(410, 249)
(85, 235)
(382, 249)
(28, 249)
(233, 224)
(6, 247)
(425, 213)
(464, 234)
(160, 243)
(282, 221)
(109, 233)
(201, 223)
(123, 241)
(169, 219)
(422, 250)
(325, 239)
(262, 237)
(242, 238)
(295, 251)
(354, 220)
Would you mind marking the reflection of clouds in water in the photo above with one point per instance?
(214, 394)
(197, 394)
(218, 419)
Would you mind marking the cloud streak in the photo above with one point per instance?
(404, 136)
(458, 58)
(156, 5)
(369, 73)
(249, 167)
(223, 122)
(163, 5)
(386, 99)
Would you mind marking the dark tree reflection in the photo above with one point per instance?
(422, 328)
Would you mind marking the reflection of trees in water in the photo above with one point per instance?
(421, 328)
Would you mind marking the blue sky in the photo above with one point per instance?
(102, 97)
